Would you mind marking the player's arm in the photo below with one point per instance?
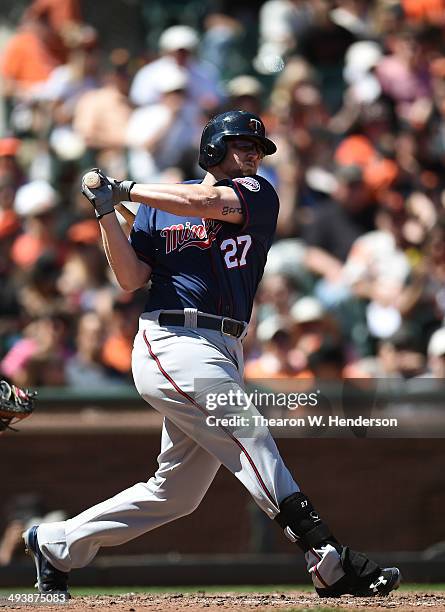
(196, 200)
(130, 272)
(190, 200)
(128, 216)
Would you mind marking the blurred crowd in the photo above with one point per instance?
(352, 92)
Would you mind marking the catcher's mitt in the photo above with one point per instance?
(15, 405)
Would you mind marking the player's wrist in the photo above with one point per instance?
(120, 190)
(125, 188)
(101, 214)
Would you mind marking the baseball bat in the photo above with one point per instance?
(91, 179)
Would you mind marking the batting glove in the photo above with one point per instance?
(101, 198)
(110, 193)
(121, 190)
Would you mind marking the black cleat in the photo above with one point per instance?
(49, 579)
(388, 580)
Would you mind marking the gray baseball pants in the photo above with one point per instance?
(174, 369)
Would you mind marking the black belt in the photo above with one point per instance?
(229, 327)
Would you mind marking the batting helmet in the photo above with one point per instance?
(213, 147)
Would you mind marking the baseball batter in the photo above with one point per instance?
(203, 245)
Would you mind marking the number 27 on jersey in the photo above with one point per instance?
(235, 251)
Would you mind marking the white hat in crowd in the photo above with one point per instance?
(360, 58)
(173, 79)
(307, 309)
(178, 37)
(244, 85)
(267, 329)
(35, 198)
(436, 345)
(287, 257)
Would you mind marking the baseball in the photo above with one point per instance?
(91, 180)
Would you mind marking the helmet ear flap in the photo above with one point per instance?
(210, 150)
(213, 152)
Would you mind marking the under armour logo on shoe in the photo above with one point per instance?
(290, 534)
(374, 586)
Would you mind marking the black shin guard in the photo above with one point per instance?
(302, 524)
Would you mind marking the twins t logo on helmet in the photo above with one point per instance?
(255, 125)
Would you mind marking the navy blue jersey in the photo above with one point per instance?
(207, 264)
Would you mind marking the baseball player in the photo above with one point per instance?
(203, 245)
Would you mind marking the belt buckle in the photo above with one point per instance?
(225, 331)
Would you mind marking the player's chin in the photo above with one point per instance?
(249, 169)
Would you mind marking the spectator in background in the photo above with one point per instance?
(311, 327)
(399, 356)
(363, 86)
(30, 56)
(35, 203)
(38, 294)
(324, 44)
(275, 336)
(379, 270)
(9, 230)
(85, 368)
(223, 46)
(60, 14)
(82, 280)
(245, 92)
(118, 345)
(160, 135)
(434, 267)
(38, 358)
(11, 172)
(297, 102)
(404, 75)
(281, 24)
(178, 46)
(286, 258)
(65, 86)
(79, 74)
(101, 115)
(436, 355)
(421, 11)
(9, 305)
(327, 362)
(336, 226)
(355, 16)
(370, 143)
(276, 296)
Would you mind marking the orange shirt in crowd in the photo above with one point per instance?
(26, 250)
(355, 150)
(116, 353)
(27, 60)
(431, 11)
(59, 12)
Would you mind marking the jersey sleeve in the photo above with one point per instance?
(259, 203)
(141, 235)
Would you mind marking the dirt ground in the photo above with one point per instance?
(401, 602)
